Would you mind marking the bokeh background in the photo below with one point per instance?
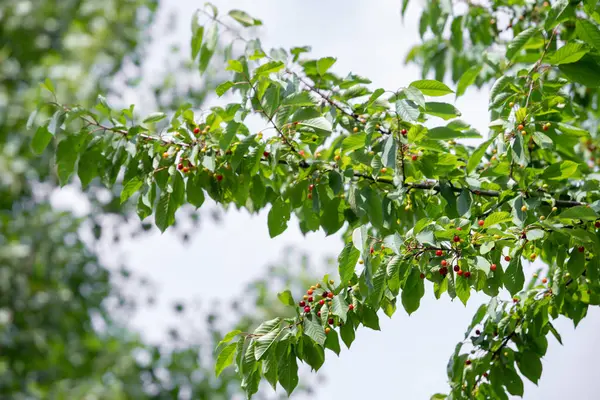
(219, 266)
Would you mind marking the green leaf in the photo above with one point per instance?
(535, 234)
(41, 139)
(580, 212)
(315, 331)
(223, 88)
(55, 124)
(347, 333)
(569, 53)
(530, 365)
(195, 194)
(519, 41)
(234, 65)
(477, 155)
(154, 117)
(67, 153)
(370, 318)
(413, 291)
(558, 7)
(225, 358)
(197, 36)
(413, 94)
(542, 140)
(560, 171)
(572, 130)
(407, 110)
(168, 203)
(585, 71)
(432, 87)
(513, 276)
(243, 18)
(576, 263)
(513, 382)
(268, 68)
(443, 110)
(49, 85)
(288, 370)
(130, 187)
(354, 142)
(445, 133)
(323, 64)
(270, 369)
(390, 150)
(463, 289)
(278, 218)
(339, 307)
(264, 343)
(347, 262)
(467, 79)
(319, 124)
(286, 298)
(208, 47)
(312, 353)
(497, 218)
(229, 337)
(333, 342)
(588, 32)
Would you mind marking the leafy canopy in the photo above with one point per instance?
(389, 167)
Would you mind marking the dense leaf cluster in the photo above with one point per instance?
(417, 204)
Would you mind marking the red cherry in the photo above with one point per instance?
(459, 228)
(325, 294)
(372, 250)
(456, 239)
(351, 307)
(266, 154)
(307, 309)
(456, 268)
(459, 272)
(310, 299)
(302, 303)
(311, 187)
(219, 177)
(468, 362)
(507, 258)
(481, 222)
(493, 267)
(185, 170)
(414, 158)
(581, 249)
(321, 302)
(443, 271)
(444, 263)
(404, 132)
(515, 300)
(478, 332)
(439, 253)
(301, 152)
(422, 276)
(196, 130)
(467, 274)
(180, 166)
(318, 313)
(330, 295)
(597, 224)
(309, 292)
(330, 321)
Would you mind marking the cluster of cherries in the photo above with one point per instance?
(311, 301)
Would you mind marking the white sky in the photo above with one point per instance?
(407, 359)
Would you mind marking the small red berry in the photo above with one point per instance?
(321, 302)
(310, 299)
(196, 130)
(481, 222)
(318, 313)
(468, 362)
(325, 294)
(493, 267)
(459, 228)
(372, 250)
(456, 268)
(301, 153)
(330, 321)
(302, 304)
(309, 292)
(404, 132)
(444, 263)
(467, 274)
(478, 332)
(351, 307)
(456, 239)
(219, 177)
(515, 300)
(311, 187)
(330, 295)
(545, 280)
(597, 224)
(459, 272)
(414, 158)
(266, 154)
(485, 374)
(309, 196)
(443, 271)
(581, 249)
(185, 170)
(422, 276)
(507, 258)
(439, 253)
(520, 127)
(307, 309)
(180, 166)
